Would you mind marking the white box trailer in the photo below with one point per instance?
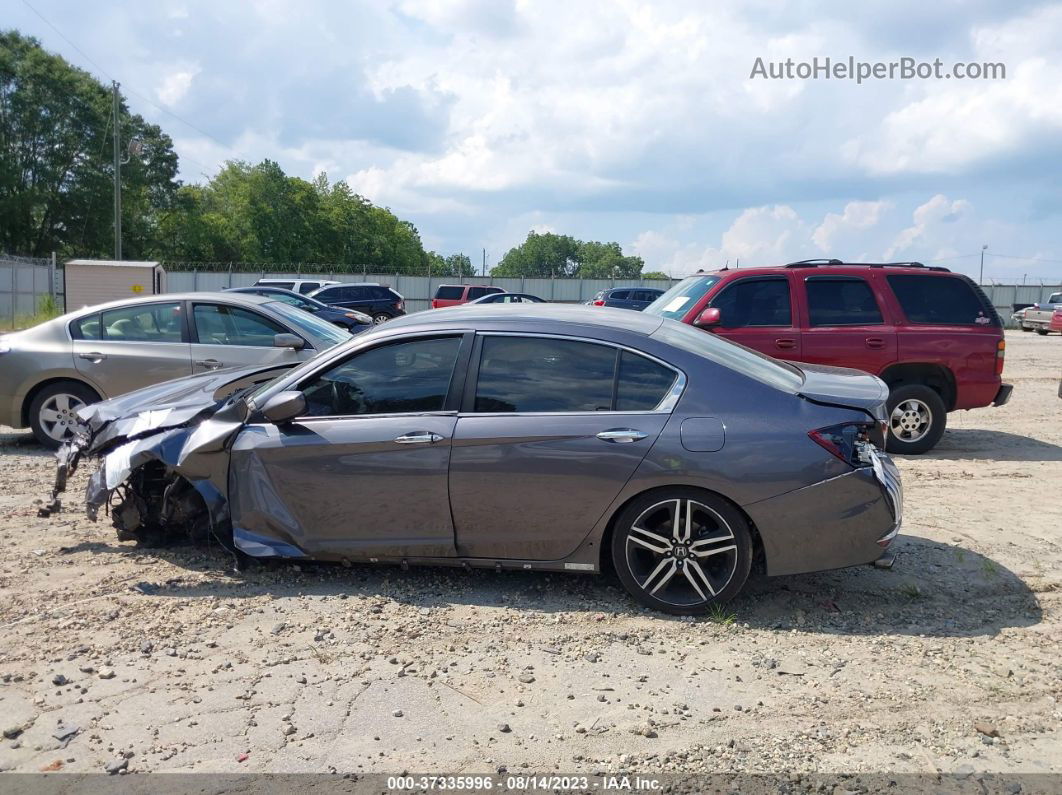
(96, 281)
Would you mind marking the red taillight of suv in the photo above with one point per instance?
(599, 302)
(849, 441)
(402, 306)
(1001, 352)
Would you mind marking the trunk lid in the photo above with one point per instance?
(844, 387)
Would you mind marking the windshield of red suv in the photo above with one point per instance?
(677, 301)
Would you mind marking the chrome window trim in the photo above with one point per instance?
(665, 406)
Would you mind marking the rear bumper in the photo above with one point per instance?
(844, 521)
(1003, 395)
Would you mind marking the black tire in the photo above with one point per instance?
(1041, 331)
(45, 430)
(692, 581)
(903, 437)
(380, 317)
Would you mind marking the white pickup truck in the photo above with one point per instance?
(1038, 316)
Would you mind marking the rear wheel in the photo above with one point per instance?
(1041, 331)
(682, 550)
(52, 413)
(380, 317)
(917, 418)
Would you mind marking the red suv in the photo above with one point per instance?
(456, 294)
(932, 335)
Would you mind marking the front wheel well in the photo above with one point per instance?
(37, 388)
(759, 565)
(937, 377)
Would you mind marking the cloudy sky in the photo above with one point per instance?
(630, 121)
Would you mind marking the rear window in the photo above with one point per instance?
(841, 302)
(941, 300)
(450, 293)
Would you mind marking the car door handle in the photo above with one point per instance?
(93, 356)
(621, 435)
(875, 342)
(785, 344)
(418, 437)
(210, 364)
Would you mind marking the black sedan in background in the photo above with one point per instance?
(350, 319)
(636, 298)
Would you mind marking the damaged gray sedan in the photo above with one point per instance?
(544, 437)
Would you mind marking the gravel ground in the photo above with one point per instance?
(162, 660)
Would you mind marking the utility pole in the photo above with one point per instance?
(117, 175)
(981, 277)
(484, 262)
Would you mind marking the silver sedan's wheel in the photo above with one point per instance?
(58, 416)
(910, 420)
(683, 551)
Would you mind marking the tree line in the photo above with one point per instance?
(56, 178)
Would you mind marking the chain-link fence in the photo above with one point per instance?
(30, 288)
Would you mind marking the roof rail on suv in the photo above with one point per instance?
(815, 263)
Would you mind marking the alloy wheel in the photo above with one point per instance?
(681, 552)
(910, 420)
(380, 318)
(58, 416)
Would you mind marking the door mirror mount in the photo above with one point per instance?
(293, 341)
(709, 318)
(283, 407)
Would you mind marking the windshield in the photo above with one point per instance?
(321, 333)
(301, 301)
(746, 361)
(677, 301)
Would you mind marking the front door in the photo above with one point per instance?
(758, 312)
(231, 336)
(364, 473)
(133, 346)
(548, 438)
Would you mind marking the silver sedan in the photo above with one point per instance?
(51, 370)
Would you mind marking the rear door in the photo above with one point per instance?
(619, 299)
(232, 336)
(758, 311)
(551, 429)
(134, 346)
(364, 472)
(845, 325)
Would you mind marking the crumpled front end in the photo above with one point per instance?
(163, 457)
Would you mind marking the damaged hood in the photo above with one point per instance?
(170, 404)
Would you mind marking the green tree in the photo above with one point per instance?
(55, 159)
(655, 275)
(545, 255)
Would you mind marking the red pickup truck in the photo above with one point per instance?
(932, 335)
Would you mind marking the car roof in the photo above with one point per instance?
(236, 298)
(555, 318)
(827, 267)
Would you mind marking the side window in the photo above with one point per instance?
(642, 383)
(86, 328)
(941, 300)
(142, 323)
(476, 292)
(332, 294)
(449, 292)
(754, 302)
(538, 374)
(402, 377)
(308, 287)
(230, 325)
(841, 302)
(619, 295)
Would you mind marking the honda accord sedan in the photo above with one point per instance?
(49, 371)
(534, 437)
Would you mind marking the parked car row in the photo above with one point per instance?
(1043, 318)
(561, 438)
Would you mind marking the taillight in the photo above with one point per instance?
(599, 302)
(1001, 352)
(401, 306)
(849, 441)
(434, 303)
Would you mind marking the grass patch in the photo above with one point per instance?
(911, 590)
(47, 308)
(719, 614)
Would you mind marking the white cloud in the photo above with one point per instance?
(175, 85)
(858, 215)
(930, 228)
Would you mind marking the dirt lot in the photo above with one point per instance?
(950, 661)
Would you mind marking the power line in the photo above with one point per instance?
(128, 88)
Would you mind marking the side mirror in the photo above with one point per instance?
(284, 407)
(708, 318)
(293, 341)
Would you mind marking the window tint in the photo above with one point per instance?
(841, 302)
(86, 328)
(537, 374)
(308, 287)
(451, 293)
(380, 293)
(143, 323)
(275, 283)
(642, 383)
(230, 325)
(754, 302)
(619, 295)
(403, 377)
(327, 294)
(477, 292)
(946, 300)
